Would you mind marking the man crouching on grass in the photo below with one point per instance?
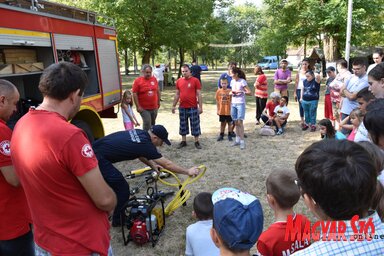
(337, 179)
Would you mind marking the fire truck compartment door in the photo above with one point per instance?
(69, 42)
(17, 37)
(109, 70)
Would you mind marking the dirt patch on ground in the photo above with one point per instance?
(226, 166)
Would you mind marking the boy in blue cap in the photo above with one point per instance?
(237, 221)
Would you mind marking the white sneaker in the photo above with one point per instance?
(235, 144)
(242, 145)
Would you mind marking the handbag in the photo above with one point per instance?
(267, 130)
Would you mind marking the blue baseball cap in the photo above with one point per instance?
(161, 132)
(237, 218)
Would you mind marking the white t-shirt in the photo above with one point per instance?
(361, 133)
(281, 111)
(371, 67)
(300, 85)
(159, 73)
(354, 85)
(199, 242)
(238, 86)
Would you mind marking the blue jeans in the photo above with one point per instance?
(310, 111)
(298, 95)
(117, 182)
(19, 246)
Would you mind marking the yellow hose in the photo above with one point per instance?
(179, 199)
(140, 171)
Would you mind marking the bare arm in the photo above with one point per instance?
(200, 100)
(134, 117)
(344, 124)
(150, 163)
(247, 90)
(349, 95)
(318, 78)
(136, 101)
(169, 165)
(158, 95)
(276, 81)
(10, 175)
(283, 81)
(175, 100)
(296, 82)
(101, 194)
(301, 94)
(217, 103)
(131, 117)
(289, 79)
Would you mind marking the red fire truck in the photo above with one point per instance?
(35, 34)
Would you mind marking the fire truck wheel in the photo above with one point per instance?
(85, 127)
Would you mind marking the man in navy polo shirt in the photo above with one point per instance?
(130, 145)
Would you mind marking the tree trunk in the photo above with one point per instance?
(126, 64)
(146, 57)
(331, 48)
(305, 48)
(134, 63)
(181, 54)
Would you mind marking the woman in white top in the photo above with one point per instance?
(300, 77)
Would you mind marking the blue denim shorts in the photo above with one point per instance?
(238, 111)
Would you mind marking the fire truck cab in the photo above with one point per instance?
(34, 34)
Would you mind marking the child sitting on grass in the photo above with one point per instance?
(199, 241)
(282, 194)
(327, 130)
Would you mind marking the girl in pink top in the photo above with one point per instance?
(352, 122)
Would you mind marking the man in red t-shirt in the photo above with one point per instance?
(188, 92)
(66, 193)
(146, 95)
(15, 232)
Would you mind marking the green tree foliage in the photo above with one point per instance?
(146, 25)
(243, 23)
(315, 20)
